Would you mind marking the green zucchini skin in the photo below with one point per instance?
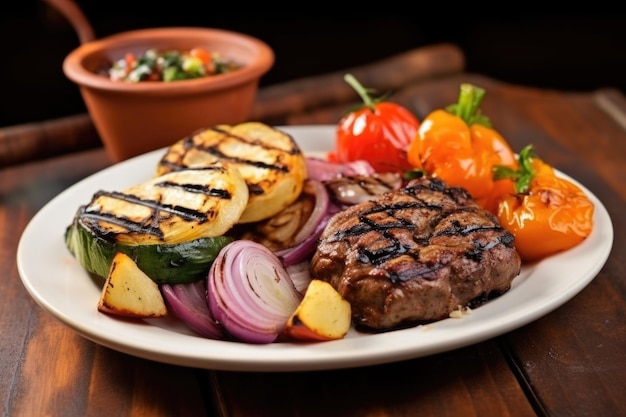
(164, 263)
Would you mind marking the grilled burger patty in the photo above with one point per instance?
(415, 255)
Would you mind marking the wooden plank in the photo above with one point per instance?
(473, 381)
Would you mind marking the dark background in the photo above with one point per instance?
(571, 51)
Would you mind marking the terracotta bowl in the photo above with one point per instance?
(133, 118)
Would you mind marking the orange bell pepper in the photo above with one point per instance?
(547, 214)
(459, 145)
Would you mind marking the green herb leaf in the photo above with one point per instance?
(523, 176)
(414, 173)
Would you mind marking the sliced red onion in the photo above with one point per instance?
(306, 238)
(354, 189)
(188, 302)
(250, 293)
(301, 251)
(322, 201)
(294, 223)
(321, 169)
(300, 275)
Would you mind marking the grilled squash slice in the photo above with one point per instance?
(171, 208)
(269, 160)
(172, 226)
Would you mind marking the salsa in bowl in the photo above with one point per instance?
(136, 117)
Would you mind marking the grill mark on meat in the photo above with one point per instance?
(415, 255)
(367, 225)
(395, 248)
(455, 193)
(459, 229)
(380, 256)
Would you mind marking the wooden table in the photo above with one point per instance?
(571, 362)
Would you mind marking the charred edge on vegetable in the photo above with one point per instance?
(184, 212)
(179, 166)
(294, 150)
(189, 142)
(255, 189)
(93, 217)
(197, 189)
(215, 152)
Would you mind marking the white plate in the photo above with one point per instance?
(60, 285)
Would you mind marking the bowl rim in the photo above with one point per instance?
(251, 72)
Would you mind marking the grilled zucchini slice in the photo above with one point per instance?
(269, 160)
(163, 263)
(171, 208)
(172, 226)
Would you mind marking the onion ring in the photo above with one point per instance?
(250, 293)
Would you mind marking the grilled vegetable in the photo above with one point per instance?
(171, 225)
(323, 314)
(172, 208)
(250, 293)
(293, 232)
(269, 160)
(379, 132)
(164, 263)
(459, 145)
(129, 292)
(547, 214)
(189, 303)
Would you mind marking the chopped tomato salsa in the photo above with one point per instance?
(172, 65)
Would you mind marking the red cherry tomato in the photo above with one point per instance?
(379, 132)
(202, 54)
